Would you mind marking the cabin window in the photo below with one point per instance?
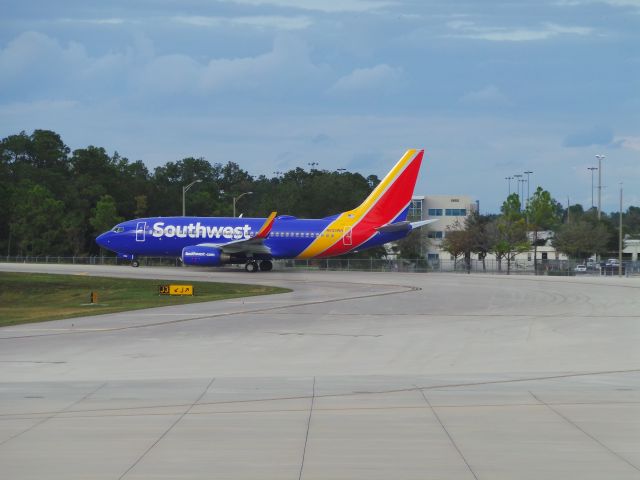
(118, 229)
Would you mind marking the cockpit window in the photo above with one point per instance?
(118, 229)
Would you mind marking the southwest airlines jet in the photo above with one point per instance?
(216, 241)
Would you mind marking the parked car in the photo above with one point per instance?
(612, 261)
(580, 268)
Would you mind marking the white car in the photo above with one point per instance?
(580, 268)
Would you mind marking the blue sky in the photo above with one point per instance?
(488, 88)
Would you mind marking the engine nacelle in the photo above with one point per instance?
(204, 256)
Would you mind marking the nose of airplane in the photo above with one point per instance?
(103, 239)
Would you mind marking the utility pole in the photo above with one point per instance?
(620, 236)
(600, 158)
(592, 169)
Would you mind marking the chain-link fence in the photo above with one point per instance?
(517, 267)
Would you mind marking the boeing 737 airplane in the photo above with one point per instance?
(215, 241)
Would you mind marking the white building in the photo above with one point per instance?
(447, 209)
(631, 246)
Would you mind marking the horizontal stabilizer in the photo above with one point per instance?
(422, 223)
(404, 226)
(395, 227)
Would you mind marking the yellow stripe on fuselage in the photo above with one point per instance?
(334, 232)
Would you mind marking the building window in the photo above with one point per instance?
(433, 256)
(435, 234)
(456, 212)
(415, 210)
(435, 212)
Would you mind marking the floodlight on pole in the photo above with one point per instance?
(620, 235)
(527, 173)
(518, 176)
(184, 191)
(592, 169)
(600, 158)
(509, 180)
(235, 199)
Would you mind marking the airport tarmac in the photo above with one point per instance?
(350, 376)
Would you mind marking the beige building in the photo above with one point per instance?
(447, 209)
(453, 209)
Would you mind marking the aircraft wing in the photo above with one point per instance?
(254, 244)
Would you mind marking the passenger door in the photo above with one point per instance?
(347, 238)
(141, 229)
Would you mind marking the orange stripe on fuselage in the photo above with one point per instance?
(383, 204)
(266, 226)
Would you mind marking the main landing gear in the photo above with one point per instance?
(135, 263)
(263, 266)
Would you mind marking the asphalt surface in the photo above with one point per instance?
(350, 376)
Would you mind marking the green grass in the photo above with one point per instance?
(26, 297)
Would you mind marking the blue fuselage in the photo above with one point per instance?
(168, 236)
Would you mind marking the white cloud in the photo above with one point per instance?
(38, 107)
(286, 66)
(276, 22)
(615, 3)
(95, 21)
(466, 29)
(630, 143)
(490, 96)
(325, 5)
(368, 79)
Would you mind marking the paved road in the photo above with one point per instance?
(352, 375)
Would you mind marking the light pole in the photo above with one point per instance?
(518, 176)
(600, 158)
(509, 180)
(620, 236)
(184, 191)
(235, 199)
(527, 173)
(592, 169)
(313, 164)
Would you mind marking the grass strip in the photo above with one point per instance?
(38, 297)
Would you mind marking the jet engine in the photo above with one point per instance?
(204, 256)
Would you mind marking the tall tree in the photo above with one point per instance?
(104, 215)
(540, 215)
(458, 241)
(581, 239)
(509, 232)
(37, 221)
(478, 227)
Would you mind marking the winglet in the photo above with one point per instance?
(267, 226)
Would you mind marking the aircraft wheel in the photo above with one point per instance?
(266, 266)
(251, 267)
(135, 263)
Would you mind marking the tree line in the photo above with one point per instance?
(575, 232)
(54, 201)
